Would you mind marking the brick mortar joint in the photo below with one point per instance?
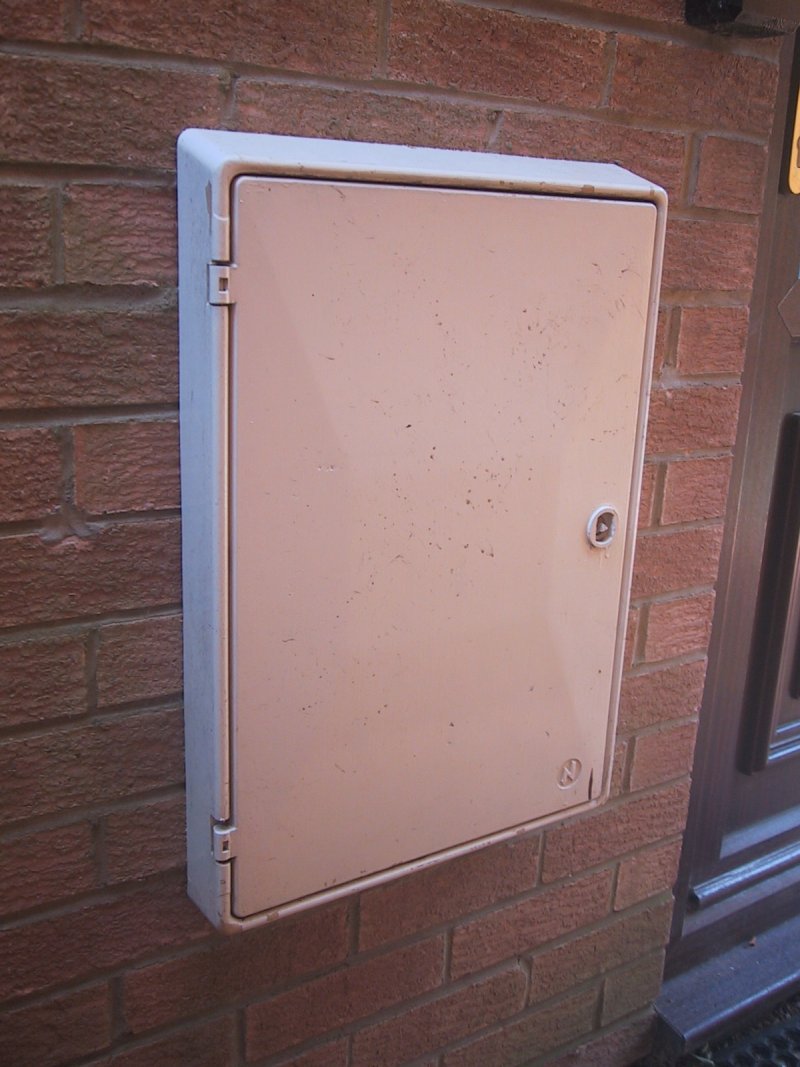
(71, 418)
(100, 896)
(173, 795)
(20, 175)
(392, 1011)
(670, 381)
(671, 32)
(646, 670)
(614, 804)
(52, 630)
(124, 1041)
(73, 817)
(586, 1041)
(225, 71)
(96, 715)
(654, 729)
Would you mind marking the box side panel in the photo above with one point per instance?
(203, 408)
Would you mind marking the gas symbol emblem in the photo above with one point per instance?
(569, 774)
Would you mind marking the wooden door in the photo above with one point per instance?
(740, 870)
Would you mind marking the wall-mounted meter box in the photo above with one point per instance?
(413, 405)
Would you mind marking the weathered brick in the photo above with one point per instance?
(139, 660)
(105, 761)
(659, 79)
(662, 350)
(315, 36)
(144, 841)
(30, 473)
(657, 155)
(119, 235)
(46, 21)
(696, 489)
(520, 928)
(662, 756)
(657, 10)
(601, 951)
(105, 113)
(661, 696)
(331, 1054)
(358, 115)
(42, 680)
(631, 636)
(532, 1036)
(691, 419)
(632, 988)
(57, 1031)
(126, 466)
(433, 42)
(648, 873)
(205, 1045)
(646, 501)
(25, 222)
(667, 562)
(712, 340)
(77, 945)
(731, 175)
(447, 891)
(340, 998)
(675, 627)
(618, 767)
(227, 969)
(628, 1044)
(453, 1016)
(614, 831)
(700, 254)
(41, 868)
(86, 357)
(118, 567)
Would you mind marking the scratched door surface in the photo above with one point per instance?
(432, 390)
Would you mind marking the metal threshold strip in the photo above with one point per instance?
(730, 990)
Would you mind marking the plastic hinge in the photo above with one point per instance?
(219, 284)
(222, 842)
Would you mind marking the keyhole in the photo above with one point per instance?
(602, 526)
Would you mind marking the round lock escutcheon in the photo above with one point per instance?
(601, 528)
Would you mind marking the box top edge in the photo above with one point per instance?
(227, 154)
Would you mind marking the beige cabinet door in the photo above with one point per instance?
(431, 393)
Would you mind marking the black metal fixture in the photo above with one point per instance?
(752, 18)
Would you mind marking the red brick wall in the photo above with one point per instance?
(519, 953)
